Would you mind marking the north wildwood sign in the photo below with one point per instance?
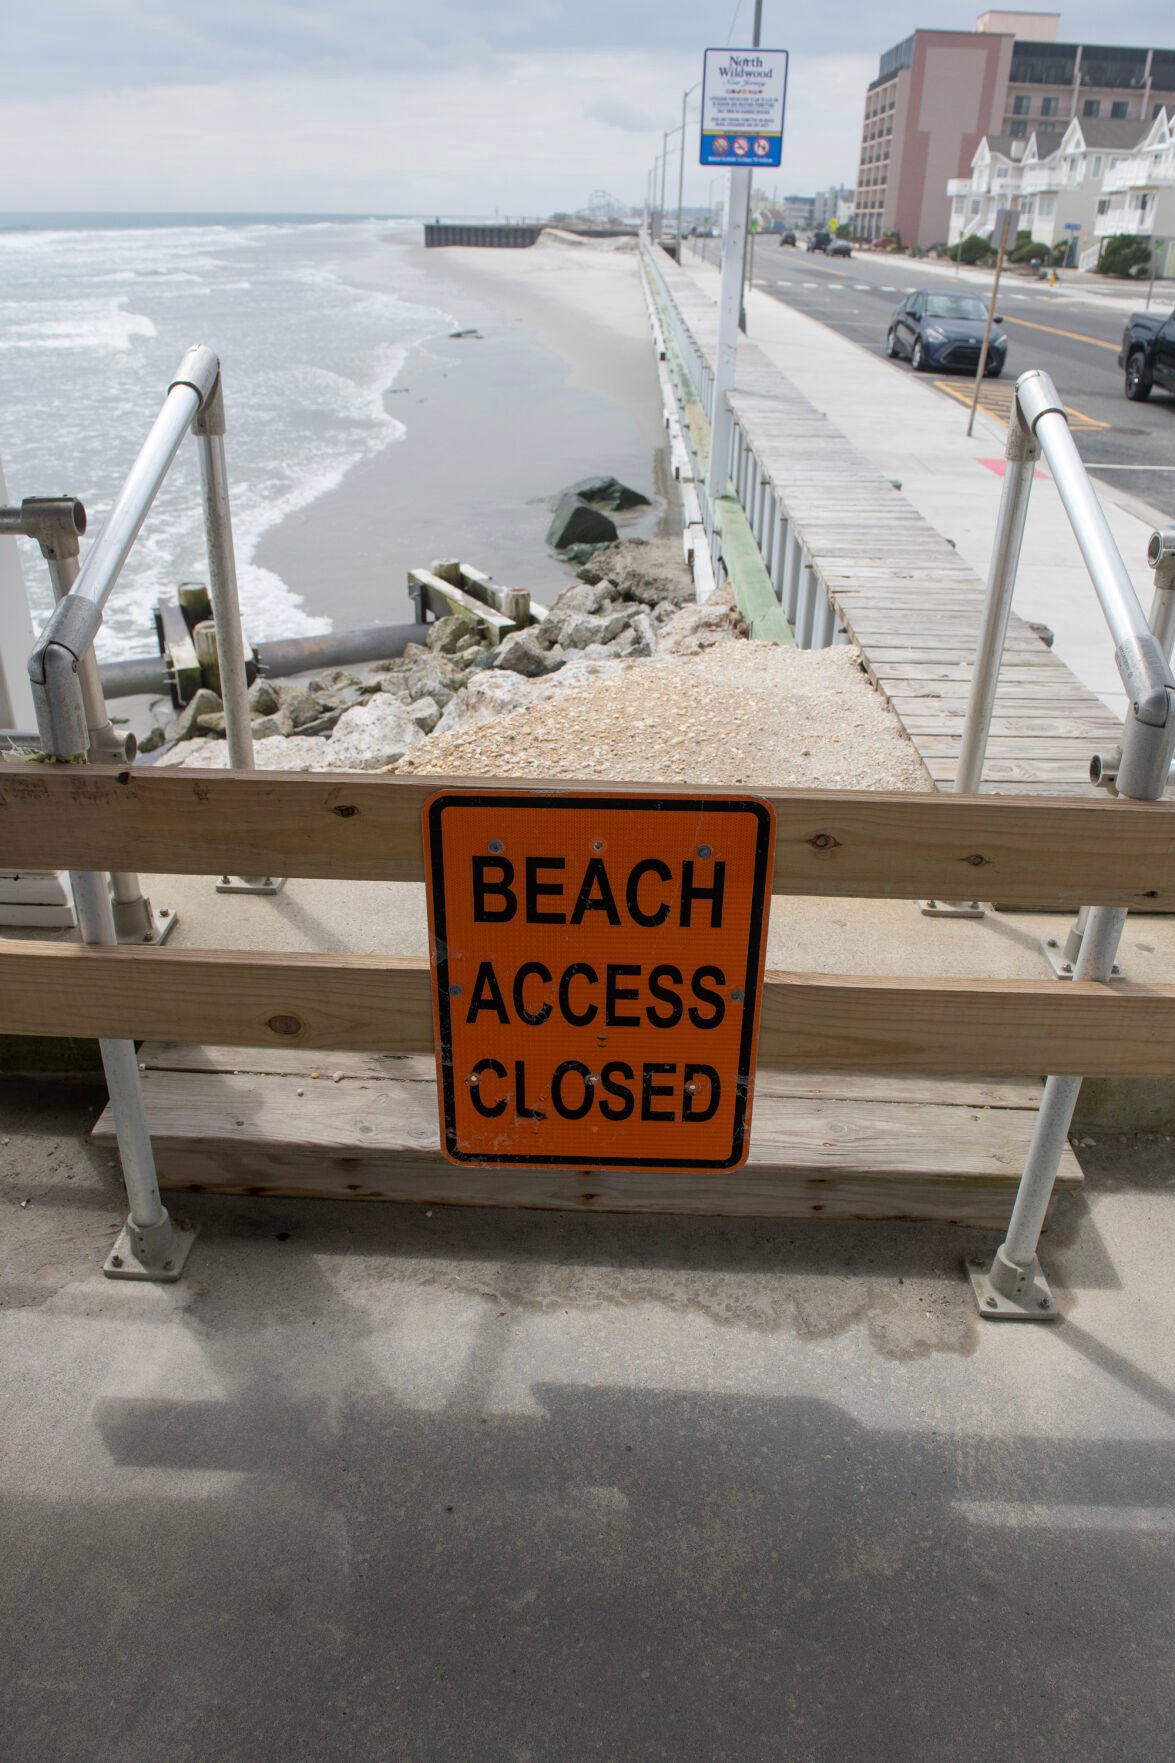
(597, 971)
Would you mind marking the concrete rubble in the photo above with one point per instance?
(633, 602)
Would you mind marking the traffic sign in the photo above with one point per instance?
(744, 92)
(597, 966)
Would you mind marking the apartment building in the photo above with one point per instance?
(1105, 176)
(938, 94)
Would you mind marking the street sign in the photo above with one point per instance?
(1072, 226)
(597, 965)
(743, 97)
(1003, 232)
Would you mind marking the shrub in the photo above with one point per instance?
(1123, 255)
(1026, 248)
(972, 249)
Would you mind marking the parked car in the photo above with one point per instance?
(839, 248)
(1148, 354)
(787, 238)
(819, 241)
(936, 330)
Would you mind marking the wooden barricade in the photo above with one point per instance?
(1053, 852)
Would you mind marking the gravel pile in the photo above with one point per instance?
(739, 713)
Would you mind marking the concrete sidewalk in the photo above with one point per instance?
(914, 433)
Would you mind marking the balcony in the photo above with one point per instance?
(1125, 220)
(958, 186)
(1037, 178)
(1132, 171)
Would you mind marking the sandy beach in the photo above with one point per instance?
(558, 383)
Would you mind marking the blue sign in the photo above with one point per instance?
(744, 92)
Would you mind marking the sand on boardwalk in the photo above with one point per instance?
(742, 713)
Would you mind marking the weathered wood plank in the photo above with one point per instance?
(820, 1022)
(975, 1094)
(808, 1157)
(1095, 851)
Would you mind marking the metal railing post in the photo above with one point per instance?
(1020, 458)
(1014, 1286)
(209, 429)
(1021, 455)
(151, 1245)
(57, 524)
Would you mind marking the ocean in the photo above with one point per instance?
(95, 313)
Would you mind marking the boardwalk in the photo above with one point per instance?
(899, 588)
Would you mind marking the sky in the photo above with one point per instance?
(504, 107)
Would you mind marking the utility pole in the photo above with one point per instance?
(664, 163)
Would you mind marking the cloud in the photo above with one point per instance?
(542, 135)
(459, 105)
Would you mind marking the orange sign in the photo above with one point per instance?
(597, 971)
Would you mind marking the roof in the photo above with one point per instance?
(1011, 146)
(1113, 134)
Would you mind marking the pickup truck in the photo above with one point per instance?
(1148, 354)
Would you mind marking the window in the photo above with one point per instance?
(1097, 165)
(1018, 130)
(1048, 207)
(1119, 108)
(1021, 105)
(1104, 205)
(1048, 106)
(1092, 107)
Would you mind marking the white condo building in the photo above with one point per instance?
(1104, 176)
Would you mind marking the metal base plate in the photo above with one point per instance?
(250, 884)
(1053, 951)
(166, 919)
(952, 909)
(123, 1263)
(1034, 1304)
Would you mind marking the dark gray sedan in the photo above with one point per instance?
(937, 332)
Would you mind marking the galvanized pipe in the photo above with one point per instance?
(1103, 933)
(121, 1066)
(226, 609)
(1138, 657)
(1103, 560)
(1021, 456)
(111, 548)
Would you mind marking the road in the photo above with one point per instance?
(1128, 446)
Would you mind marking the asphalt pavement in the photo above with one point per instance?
(1129, 447)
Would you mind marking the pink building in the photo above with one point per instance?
(938, 93)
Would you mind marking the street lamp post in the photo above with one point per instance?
(681, 164)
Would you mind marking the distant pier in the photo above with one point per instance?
(496, 237)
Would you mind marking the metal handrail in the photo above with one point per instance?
(1014, 1285)
(67, 696)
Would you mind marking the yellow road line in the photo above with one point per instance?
(997, 401)
(1077, 336)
